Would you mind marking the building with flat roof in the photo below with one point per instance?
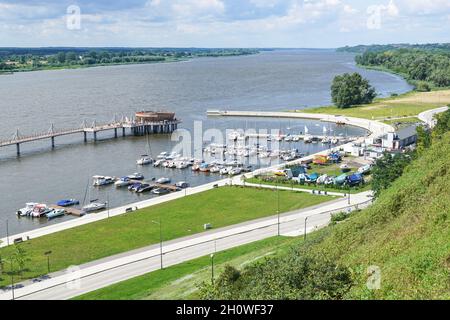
(400, 139)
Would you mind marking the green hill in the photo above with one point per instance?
(406, 233)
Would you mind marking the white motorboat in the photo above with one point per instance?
(136, 176)
(162, 155)
(157, 163)
(124, 182)
(99, 181)
(27, 210)
(308, 139)
(144, 160)
(94, 206)
(215, 169)
(335, 141)
(235, 171)
(225, 171)
(163, 180)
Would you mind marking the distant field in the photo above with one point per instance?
(407, 105)
(182, 217)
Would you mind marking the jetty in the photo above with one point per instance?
(143, 123)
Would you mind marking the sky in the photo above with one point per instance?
(222, 23)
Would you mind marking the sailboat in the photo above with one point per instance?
(308, 138)
(145, 159)
(94, 205)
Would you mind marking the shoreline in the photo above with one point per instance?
(100, 65)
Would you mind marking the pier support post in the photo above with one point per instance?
(123, 132)
(95, 135)
(53, 142)
(18, 149)
(115, 133)
(85, 136)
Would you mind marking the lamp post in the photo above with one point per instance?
(278, 209)
(160, 241)
(48, 253)
(304, 235)
(212, 269)
(7, 232)
(107, 202)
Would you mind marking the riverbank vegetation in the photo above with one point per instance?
(22, 59)
(351, 89)
(182, 217)
(425, 66)
(396, 249)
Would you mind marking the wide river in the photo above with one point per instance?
(31, 102)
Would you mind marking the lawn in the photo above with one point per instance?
(182, 217)
(180, 281)
(406, 105)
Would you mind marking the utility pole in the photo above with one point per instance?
(212, 269)
(160, 241)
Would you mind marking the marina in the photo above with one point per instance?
(68, 98)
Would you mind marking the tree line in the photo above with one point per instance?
(419, 66)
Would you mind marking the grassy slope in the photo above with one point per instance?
(182, 217)
(406, 233)
(407, 105)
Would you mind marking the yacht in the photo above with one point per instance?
(27, 210)
(163, 180)
(144, 160)
(99, 181)
(94, 206)
(157, 163)
(136, 176)
(123, 182)
(162, 155)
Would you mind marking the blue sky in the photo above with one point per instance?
(222, 23)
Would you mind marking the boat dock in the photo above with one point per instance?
(169, 187)
(300, 136)
(147, 122)
(70, 211)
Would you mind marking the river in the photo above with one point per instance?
(31, 102)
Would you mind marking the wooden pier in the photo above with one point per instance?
(137, 127)
(70, 210)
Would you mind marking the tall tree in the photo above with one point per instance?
(351, 89)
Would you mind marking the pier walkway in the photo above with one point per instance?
(136, 128)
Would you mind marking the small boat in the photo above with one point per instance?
(160, 191)
(94, 206)
(144, 160)
(204, 168)
(99, 181)
(163, 155)
(215, 169)
(355, 179)
(145, 188)
(136, 176)
(134, 187)
(123, 182)
(40, 210)
(296, 138)
(235, 171)
(24, 212)
(308, 139)
(55, 213)
(196, 167)
(163, 180)
(67, 203)
(157, 163)
(334, 141)
(182, 185)
(225, 171)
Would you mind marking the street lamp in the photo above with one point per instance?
(160, 241)
(278, 209)
(48, 253)
(212, 269)
(7, 232)
(304, 235)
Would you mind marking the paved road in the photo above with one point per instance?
(428, 116)
(98, 274)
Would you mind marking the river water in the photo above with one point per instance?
(31, 102)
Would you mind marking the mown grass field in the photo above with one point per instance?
(406, 105)
(220, 207)
(180, 281)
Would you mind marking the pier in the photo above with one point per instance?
(145, 122)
